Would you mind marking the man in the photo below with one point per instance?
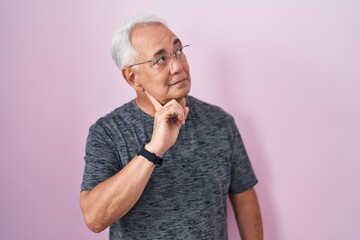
(162, 165)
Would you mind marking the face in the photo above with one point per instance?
(166, 83)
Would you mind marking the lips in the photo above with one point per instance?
(177, 80)
(180, 81)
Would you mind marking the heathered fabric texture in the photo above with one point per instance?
(185, 198)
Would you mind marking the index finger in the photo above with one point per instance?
(154, 102)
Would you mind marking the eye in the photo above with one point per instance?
(179, 51)
(160, 60)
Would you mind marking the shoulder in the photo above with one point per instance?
(116, 117)
(209, 111)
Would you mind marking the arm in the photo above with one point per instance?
(247, 213)
(113, 198)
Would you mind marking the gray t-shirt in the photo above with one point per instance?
(185, 197)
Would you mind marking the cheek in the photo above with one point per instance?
(161, 79)
(154, 80)
(157, 84)
(187, 68)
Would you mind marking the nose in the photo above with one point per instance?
(176, 65)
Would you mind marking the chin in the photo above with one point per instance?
(178, 96)
(178, 93)
(183, 93)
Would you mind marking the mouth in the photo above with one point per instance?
(178, 81)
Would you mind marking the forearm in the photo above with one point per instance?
(112, 199)
(248, 216)
(249, 222)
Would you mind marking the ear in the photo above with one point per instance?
(131, 77)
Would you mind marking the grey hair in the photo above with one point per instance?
(121, 48)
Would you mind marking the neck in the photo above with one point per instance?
(146, 106)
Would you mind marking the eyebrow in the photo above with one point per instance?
(162, 51)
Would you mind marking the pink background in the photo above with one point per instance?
(288, 71)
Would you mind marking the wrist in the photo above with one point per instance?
(154, 149)
(152, 157)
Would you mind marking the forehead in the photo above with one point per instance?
(148, 39)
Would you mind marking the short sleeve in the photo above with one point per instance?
(101, 158)
(242, 173)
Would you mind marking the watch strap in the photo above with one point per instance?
(150, 156)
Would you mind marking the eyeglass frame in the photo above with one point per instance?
(171, 55)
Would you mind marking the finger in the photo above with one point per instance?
(172, 112)
(154, 102)
(184, 115)
(179, 114)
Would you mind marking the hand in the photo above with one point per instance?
(168, 120)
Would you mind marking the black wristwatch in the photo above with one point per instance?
(150, 156)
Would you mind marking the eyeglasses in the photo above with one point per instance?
(161, 62)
